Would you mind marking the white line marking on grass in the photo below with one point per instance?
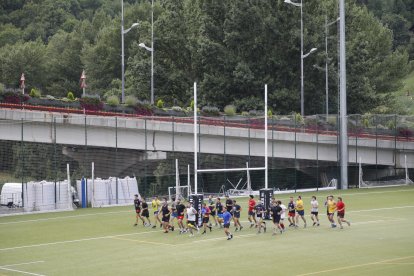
(141, 241)
(380, 209)
(223, 238)
(78, 240)
(354, 266)
(23, 263)
(20, 271)
(62, 217)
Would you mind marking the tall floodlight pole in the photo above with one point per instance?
(123, 32)
(195, 138)
(152, 52)
(326, 64)
(122, 53)
(266, 146)
(343, 112)
(302, 56)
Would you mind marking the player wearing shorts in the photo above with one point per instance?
(165, 216)
(291, 212)
(236, 215)
(260, 212)
(276, 211)
(340, 209)
(174, 214)
(250, 214)
(180, 215)
(314, 211)
(145, 212)
(212, 206)
(191, 218)
(205, 213)
(331, 207)
(300, 211)
(155, 209)
(137, 205)
(282, 215)
(219, 209)
(226, 223)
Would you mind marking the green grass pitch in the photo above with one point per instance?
(103, 241)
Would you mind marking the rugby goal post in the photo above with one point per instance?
(180, 192)
(384, 183)
(197, 170)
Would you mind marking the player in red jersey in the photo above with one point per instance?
(340, 209)
(251, 216)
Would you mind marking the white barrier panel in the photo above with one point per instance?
(109, 192)
(11, 192)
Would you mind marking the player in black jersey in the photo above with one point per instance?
(166, 213)
(219, 209)
(145, 212)
(180, 215)
(212, 206)
(137, 205)
(229, 204)
(260, 213)
(276, 211)
(236, 215)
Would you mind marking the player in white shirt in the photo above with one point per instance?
(282, 215)
(314, 211)
(191, 218)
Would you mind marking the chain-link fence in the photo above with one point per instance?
(303, 152)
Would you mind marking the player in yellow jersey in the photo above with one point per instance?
(331, 207)
(300, 211)
(156, 203)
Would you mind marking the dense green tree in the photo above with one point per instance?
(28, 58)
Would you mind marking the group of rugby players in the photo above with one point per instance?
(222, 214)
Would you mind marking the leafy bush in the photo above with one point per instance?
(230, 110)
(112, 101)
(70, 96)
(177, 108)
(210, 110)
(192, 104)
(269, 113)
(2, 87)
(92, 104)
(14, 97)
(143, 110)
(35, 93)
(50, 97)
(299, 119)
(245, 113)
(160, 103)
(131, 101)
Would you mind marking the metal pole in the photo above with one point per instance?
(326, 68)
(122, 53)
(344, 130)
(266, 161)
(302, 100)
(152, 52)
(195, 138)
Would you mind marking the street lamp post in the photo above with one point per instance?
(151, 49)
(123, 32)
(302, 56)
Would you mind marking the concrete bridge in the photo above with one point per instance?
(156, 136)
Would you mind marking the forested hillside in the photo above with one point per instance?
(231, 48)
